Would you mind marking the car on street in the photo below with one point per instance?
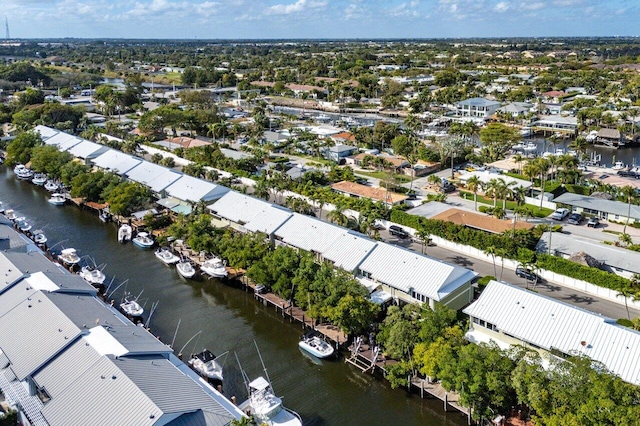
(593, 222)
(560, 214)
(398, 231)
(526, 274)
(575, 218)
(447, 188)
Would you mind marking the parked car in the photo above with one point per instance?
(575, 218)
(447, 188)
(526, 274)
(560, 214)
(593, 222)
(398, 231)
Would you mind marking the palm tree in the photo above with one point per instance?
(337, 215)
(625, 239)
(424, 236)
(434, 180)
(492, 189)
(474, 184)
(491, 251)
(629, 193)
(518, 159)
(626, 292)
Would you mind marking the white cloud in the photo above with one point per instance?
(299, 6)
(502, 7)
(533, 6)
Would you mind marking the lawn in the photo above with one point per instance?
(384, 175)
(537, 211)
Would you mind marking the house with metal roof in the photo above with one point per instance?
(599, 207)
(45, 132)
(194, 190)
(476, 107)
(510, 315)
(556, 123)
(414, 277)
(63, 141)
(87, 150)
(116, 161)
(154, 176)
(618, 260)
(67, 358)
(516, 109)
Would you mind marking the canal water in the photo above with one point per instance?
(228, 319)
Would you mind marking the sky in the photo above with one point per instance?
(333, 19)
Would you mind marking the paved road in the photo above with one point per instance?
(555, 291)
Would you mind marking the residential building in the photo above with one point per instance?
(600, 208)
(516, 109)
(476, 107)
(356, 190)
(339, 152)
(513, 316)
(556, 123)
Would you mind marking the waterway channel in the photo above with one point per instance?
(323, 393)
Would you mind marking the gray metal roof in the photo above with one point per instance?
(68, 283)
(548, 323)
(308, 233)
(405, 270)
(477, 102)
(137, 340)
(128, 391)
(188, 188)
(349, 250)
(34, 261)
(16, 392)
(609, 206)
(237, 207)
(10, 239)
(609, 255)
(269, 219)
(65, 368)
(14, 295)
(154, 176)
(116, 161)
(201, 418)
(33, 332)
(87, 150)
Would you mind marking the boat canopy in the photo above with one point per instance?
(68, 251)
(259, 384)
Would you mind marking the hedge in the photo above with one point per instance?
(571, 269)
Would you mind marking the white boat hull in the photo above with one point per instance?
(186, 269)
(166, 256)
(124, 233)
(316, 347)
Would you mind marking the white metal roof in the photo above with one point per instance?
(45, 132)
(349, 250)
(485, 176)
(269, 219)
(154, 176)
(237, 207)
(116, 161)
(405, 270)
(63, 141)
(548, 323)
(308, 233)
(87, 150)
(188, 188)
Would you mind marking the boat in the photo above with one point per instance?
(131, 307)
(185, 268)
(592, 136)
(39, 179)
(205, 364)
(618, 165)
(1, 208)
(313, 343)
(143, 240)
(10, 214)
(24, 226)
(559, 152)
(39, 237)
(23, 172)
(51, 186)
(266, 407)
(69, 257)
(166, 256)
(105, 215)
(214, 267)
(526, 132)
(57, 199)
(92, 275)
(124, 233)
(530, 147)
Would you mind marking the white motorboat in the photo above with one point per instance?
(23, 172)
(51, 186)
(124, 233)
(185, 269)
(10, 214)
(39, 237)
(313, 343)
(39, 179)
(24, 226)
(592, 136)
(530, 147)
(214, 267)
(143, 240)
(105, 215)
(526, 132)
(206, 365)
(266, 407)
(166, 256)
(92, 275)
(57, 199)
(131, 307)
(69, 257)
(618, 165)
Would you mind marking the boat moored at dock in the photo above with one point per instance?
(185, 269)
(205, 364)
(214, 267)
(166, 256)
(69, 257)
(124, 233)
(266, 407)
(313, 343)
(92, 275)
(143, 240)
(57, 199)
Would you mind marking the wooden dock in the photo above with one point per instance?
(369, 359)
(435, 390)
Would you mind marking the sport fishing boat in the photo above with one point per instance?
(214, 267)
(92, 275)
(131, 307)
(69, 257)
(205, 364)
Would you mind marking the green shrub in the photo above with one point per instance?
(581, 272)
(625, 322)
(482, 282)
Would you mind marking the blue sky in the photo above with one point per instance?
(207, 19)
